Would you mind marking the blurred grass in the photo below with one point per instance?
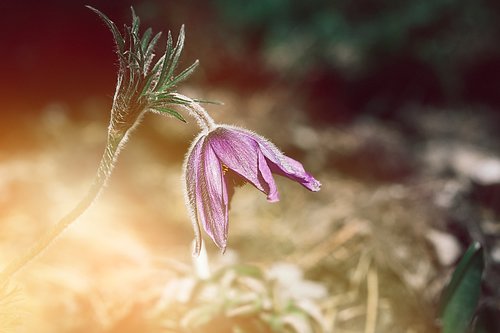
(364, 242)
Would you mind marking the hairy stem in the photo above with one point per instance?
(114, 144)
(196, 111)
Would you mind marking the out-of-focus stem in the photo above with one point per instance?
(114, 144)
(200, 262)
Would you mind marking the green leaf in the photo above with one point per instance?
(135, 50)
(170, 112)
(182, 76)
(165, 60)
(145, 38)
(135, 22)
(461, 296)
(153, 73)
(177, 52)
(164, 96)
(205, 101)
(146, 86)
(148, 53)
(167, 98)
(179, 100)
(120, 42)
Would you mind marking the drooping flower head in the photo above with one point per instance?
(225, 152)
(219, 156)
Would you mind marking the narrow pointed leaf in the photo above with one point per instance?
(205, 101)
(461, 296)
(145, 39)
(120, 42)
(177, 53)
(134, 61)
(163, 97)
(180, 101)
(170, 112)
(164, 101)
(166, 60)
(136, 47)
(148, 54)
(135, 22)
(152, 76)
(182, 76)
(146, 86)
(128, 35)
(156, 71)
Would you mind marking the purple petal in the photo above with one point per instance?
(294, 170)
(267, 176)
(191, 171)
(242, 155)
(212, 197)
(279, 163)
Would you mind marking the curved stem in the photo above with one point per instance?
(198, 112)
(116, 139)
(106, 165)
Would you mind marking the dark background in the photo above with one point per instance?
(343, 58)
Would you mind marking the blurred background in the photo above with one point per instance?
(350, 58)
(394, 107)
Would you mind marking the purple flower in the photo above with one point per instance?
(227, 156)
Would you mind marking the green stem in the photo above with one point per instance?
(113, 147)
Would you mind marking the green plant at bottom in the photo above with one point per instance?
(461, 296)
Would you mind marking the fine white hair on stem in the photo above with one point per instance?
(195, 110)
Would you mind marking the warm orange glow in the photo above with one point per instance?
(113, 259)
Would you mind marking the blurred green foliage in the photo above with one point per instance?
(373, 28)
(356, 38)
